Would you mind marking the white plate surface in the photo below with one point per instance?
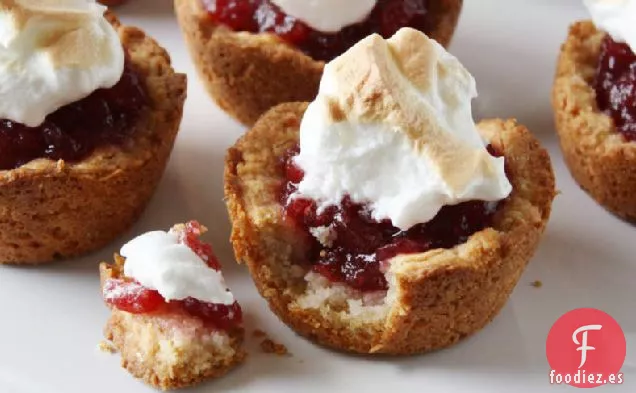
(52, 317)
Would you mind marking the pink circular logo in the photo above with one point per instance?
(586, 348)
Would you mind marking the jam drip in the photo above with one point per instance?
(359, 246)
(260, 16)
(130, 296)
(106, 117)
(615, 85)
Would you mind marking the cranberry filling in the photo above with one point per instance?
(615, 85)
(130, 296)
(73, 132)
(191, 237)
(361, 245)
(259, 16)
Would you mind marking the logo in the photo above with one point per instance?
(586, 348)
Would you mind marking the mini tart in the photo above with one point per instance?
(247, 74)
(169, 349)
(434, 298)
(55, 209)
(600, 160)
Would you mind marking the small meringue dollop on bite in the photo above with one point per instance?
(329, 16)
(616, 17)
(159, 261)
(392, 127)
(53, 53)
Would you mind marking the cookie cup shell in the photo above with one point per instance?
(54, 209)
(247, 74)
(598, 157)
(435, 298)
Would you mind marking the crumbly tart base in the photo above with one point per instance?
(598, 157)
(51, 210)
(171, 350)
(435, 298)
(246, 74)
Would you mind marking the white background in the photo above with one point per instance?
(52, 317)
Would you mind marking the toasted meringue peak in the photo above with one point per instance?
(616, 17)
(392, 126)
(53, 53)
(385, 84)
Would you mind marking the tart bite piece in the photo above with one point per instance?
(593, 100)
(173, 320)
(254, 54)
(88, 120)
(379, 218)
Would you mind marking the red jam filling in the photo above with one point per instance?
(130, 296)
(615, 86)
(106, 117)
(261, 16)
(361, 246)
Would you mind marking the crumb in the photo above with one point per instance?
(536, 284)
(269, 346)
(105, 346)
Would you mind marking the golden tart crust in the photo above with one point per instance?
(437, 297)
(247, 74)
(599, 158)
(54, 209)
(151, 351)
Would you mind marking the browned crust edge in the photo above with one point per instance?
(120, 330)
(112, 3)
(52, 210)
(247, 74)
(442, 295)
(597, 156)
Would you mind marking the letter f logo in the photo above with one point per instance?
(583, 343)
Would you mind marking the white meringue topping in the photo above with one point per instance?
(159, 261)
(392, 127)
(328, 16)
(616, 17)
(53, 53)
